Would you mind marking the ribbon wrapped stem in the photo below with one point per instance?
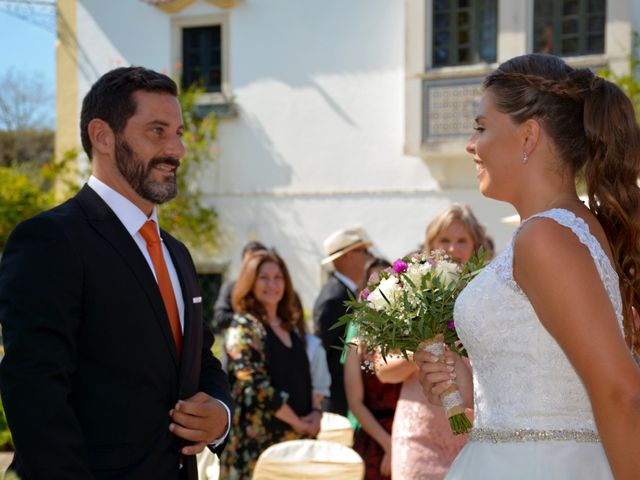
(451, 398)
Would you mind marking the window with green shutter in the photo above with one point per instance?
(202, 57)
(569, 27)
(464, 32)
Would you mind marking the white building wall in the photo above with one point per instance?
(318, 143)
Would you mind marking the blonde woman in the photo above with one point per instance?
(422, 443)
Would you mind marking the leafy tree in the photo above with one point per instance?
(20, 197)
(24, 101)
(26, 147)
(26, 190)
(186, 217)
(629, 82)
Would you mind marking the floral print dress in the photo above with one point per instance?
(254, 426)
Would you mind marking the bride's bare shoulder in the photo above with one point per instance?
(547, 251)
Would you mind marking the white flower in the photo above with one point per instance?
(416, 271)
(390, 288)
(448, 272)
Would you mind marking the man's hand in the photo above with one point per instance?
(200, 419)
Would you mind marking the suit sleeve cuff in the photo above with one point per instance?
(218, 441)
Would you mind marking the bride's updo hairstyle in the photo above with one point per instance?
(595, 133)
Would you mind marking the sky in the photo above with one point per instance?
(28, 48)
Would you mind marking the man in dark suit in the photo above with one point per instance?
(348, 251)
(108, 371)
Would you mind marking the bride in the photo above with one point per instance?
(555, 388)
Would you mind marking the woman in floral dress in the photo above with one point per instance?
(268, 367)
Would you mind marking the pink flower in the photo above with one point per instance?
(364, 294)
(399, 266)
(451, 325)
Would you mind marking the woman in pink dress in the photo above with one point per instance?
(423, 446)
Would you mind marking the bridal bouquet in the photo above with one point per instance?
(410, 308)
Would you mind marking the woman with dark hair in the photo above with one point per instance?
(268, 366)
(556, 390)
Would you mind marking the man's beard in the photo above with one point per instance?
(139, 176)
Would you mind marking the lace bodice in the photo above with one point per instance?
(521, 377)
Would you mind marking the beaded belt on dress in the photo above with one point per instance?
(530, 435)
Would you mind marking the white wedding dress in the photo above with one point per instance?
(533, 418)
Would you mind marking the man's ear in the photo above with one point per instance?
(102, 137)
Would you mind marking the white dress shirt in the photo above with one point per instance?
(133, 219)
(350, 284)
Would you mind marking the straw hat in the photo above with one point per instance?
(343, 241)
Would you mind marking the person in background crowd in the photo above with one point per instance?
(320, 376)
(108, 371)
(372, 402)
(268, 366)
(422, 443)
(347, 250)
(223, 310)
(458, 233)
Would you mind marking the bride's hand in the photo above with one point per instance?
(435, 377)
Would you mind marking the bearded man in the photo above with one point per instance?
(108, 371)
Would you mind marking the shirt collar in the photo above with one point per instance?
(350, 284)
(127, 212)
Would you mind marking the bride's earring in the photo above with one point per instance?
(525, 157)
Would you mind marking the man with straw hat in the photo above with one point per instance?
(347, 250)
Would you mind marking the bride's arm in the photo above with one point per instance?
(559, 277)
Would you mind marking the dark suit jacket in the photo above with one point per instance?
(328, 308)
(222, 310)
(90, 369)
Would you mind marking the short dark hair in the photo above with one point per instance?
(111, 98)
(253, 246)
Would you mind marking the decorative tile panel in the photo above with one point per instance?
(449, 108)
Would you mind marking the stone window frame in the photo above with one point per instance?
(446, 156)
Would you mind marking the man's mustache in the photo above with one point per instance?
(154, 162)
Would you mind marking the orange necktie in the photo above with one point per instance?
(149, 232)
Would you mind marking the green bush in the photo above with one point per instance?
(19, 147)
(186, 217)
(21, 197)
(6, 441)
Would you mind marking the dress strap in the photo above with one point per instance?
(580, 228)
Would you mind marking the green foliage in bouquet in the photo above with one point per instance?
(409, 308)
(411, 303)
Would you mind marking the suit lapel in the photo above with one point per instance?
(105, 222)
(192, 333)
